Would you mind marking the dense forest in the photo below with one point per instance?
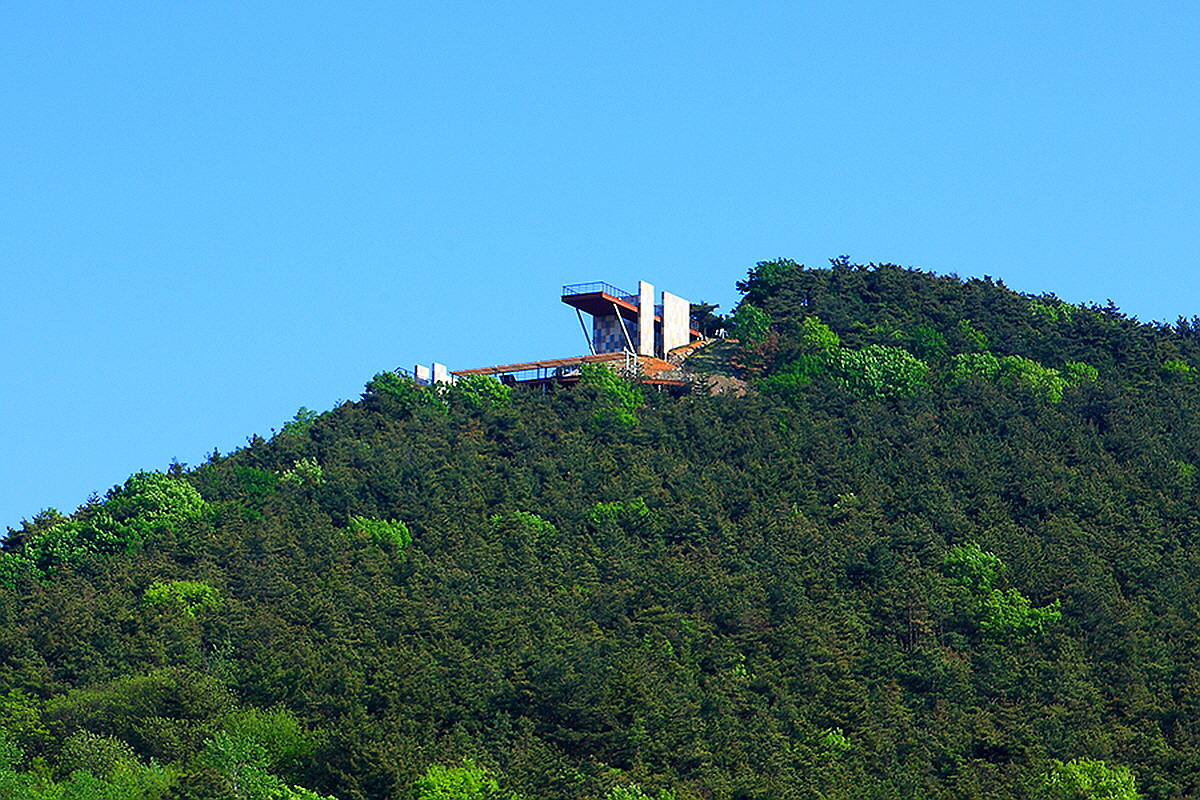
(945, 545)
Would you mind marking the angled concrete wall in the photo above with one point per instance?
(645, 339)
(676, 316)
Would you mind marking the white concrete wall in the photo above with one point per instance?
(421, 373)
(440, 373)
(676, 322)
(645, 339)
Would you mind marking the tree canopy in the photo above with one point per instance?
(945, 546)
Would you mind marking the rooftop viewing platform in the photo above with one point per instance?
(599, 287)
(598, 298)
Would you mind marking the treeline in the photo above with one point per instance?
(946, 548)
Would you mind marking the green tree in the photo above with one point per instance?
(1085, 779)
(465, 782)
(300, 424)
(620, 397)
(1001, 613)
(1021, 371)
(750, 324)
(147, 503)
(190, 595)
(405, 395)
(965, 367)
(480, 391)
(878, 371)
(391, 534)
(973, 567)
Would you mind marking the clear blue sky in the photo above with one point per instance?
(215, 213)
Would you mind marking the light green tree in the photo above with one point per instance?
(191, 595)
(1085, 779)
(621, 397)
(464, 782)
(750, 324)
(390, 533)
(1000, 613)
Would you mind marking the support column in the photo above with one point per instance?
(590, 337)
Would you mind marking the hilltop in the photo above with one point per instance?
(943, 546)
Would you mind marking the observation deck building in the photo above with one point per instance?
(632, 323)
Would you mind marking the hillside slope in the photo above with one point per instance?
(945, 547)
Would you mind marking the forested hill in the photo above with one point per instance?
(946, 546)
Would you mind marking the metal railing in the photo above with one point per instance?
(599, 286)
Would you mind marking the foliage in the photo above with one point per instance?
(766, 278)
(965, 367)
(190, 595)
(1051, 309)
(1009, 613)
(630, 513)
(972, 567)
(147, 503)
(1078, 372)
(834, 742)
(1021, 371)
(927, 343)
(878, 371)
(98, 768)
(975, 339)
(791, 594)
(1178, 369)
(1002, 613)
(706, 320)
(633, 791)
(750, 324)
(404, 395)
(386, 533)
(817, 337)
(620, 398)
(300, 424)
(465, 782)
(1086, 779)
(256, 483)
(525, 521)
(481, 391)
(304, 472)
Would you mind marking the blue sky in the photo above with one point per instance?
(216, 213)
